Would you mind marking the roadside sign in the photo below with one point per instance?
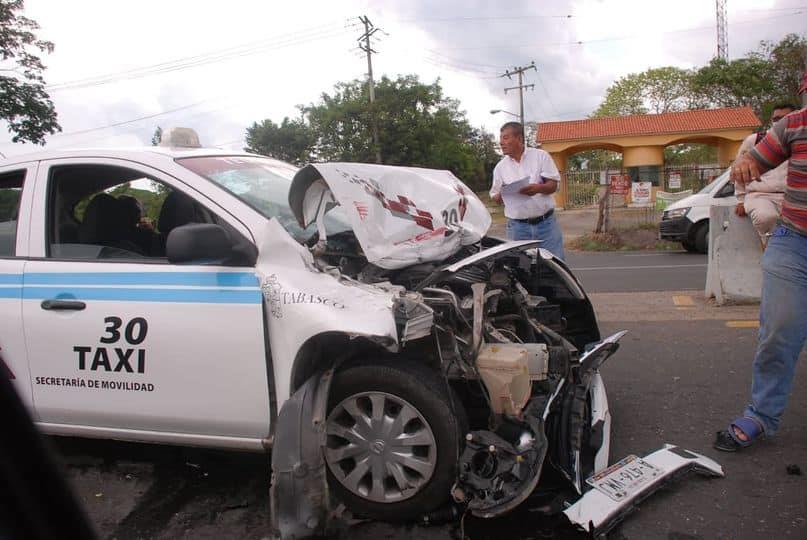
(640, 192)
(674, 180)
(619, 184)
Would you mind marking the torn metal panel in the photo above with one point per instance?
(594, 358)
(501, 249)
(400, 215)
(413, 317)
(299, 492)
(598, 511)
(302, 302)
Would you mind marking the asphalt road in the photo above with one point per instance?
(638, 271)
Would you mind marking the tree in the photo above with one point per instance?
(788, 58)
(658, 90)
(157, 136)
(743, 82)
(689, 154)
(622, 98)
(24, 103)
(760, 80)
(418, 126)
(292, 140)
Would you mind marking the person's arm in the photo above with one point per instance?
(549, 174)
(739, 187)
(496, 188)
(770, 152)
(547, 188)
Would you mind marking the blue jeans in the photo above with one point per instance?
(782, 328)
(548, 231)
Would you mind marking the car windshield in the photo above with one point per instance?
(263, 184)
(713, 184)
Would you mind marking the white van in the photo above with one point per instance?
(687, 220)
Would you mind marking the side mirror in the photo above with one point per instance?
(198, 243)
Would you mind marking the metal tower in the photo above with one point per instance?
(722, 33)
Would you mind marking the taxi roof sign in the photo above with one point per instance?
(180, 137)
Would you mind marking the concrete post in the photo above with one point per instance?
(561, 160)
(727, 151)
(637, 156)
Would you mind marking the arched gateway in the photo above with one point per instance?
(642, 138)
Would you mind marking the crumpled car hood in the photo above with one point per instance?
(437, 215)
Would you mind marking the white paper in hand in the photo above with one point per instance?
(511, 191)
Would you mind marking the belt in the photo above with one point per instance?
(537, 220)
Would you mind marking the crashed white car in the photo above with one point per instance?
(354, 319)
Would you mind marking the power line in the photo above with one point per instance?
(488, 67)
(621, 38)
(546, 92)
(132, 121)
(527, 16)
(255, 47)
(487, 18)
(485, 75)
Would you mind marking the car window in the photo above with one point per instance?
(263, 184)
(10, 193)
(726, 191)
(713, 184)
(109, 212)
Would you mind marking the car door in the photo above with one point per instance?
(16, 187)
(124, 344)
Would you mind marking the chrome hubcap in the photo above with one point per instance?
(380, 447)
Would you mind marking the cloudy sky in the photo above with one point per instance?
(122, 68)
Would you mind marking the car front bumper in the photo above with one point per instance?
(675, 230)
(597, 513)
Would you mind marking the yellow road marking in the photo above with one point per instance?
(683, 300)
(742, 324)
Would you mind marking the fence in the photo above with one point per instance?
(582, 186)
(694, 177)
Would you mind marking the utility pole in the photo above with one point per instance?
(520, 72)
(364, 44)
(722, 33)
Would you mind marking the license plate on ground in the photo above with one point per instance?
(624, 478)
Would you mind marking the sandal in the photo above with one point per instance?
(728, 441)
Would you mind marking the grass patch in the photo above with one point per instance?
(637, 238)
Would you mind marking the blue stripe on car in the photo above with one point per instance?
(204, 296)
(219, 287)
(188, 279)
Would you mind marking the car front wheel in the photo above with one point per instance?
(689, 246)
(700, 238)
(392, 440)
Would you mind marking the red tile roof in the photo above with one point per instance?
(649, 124)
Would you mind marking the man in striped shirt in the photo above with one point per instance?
(783, 311)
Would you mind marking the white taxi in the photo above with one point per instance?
(352, 318)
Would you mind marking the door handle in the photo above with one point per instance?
(63, 305)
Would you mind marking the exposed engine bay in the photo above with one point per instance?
(507, 331)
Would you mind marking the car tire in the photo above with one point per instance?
(418, 445)
(700, 237)
(689, 246)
